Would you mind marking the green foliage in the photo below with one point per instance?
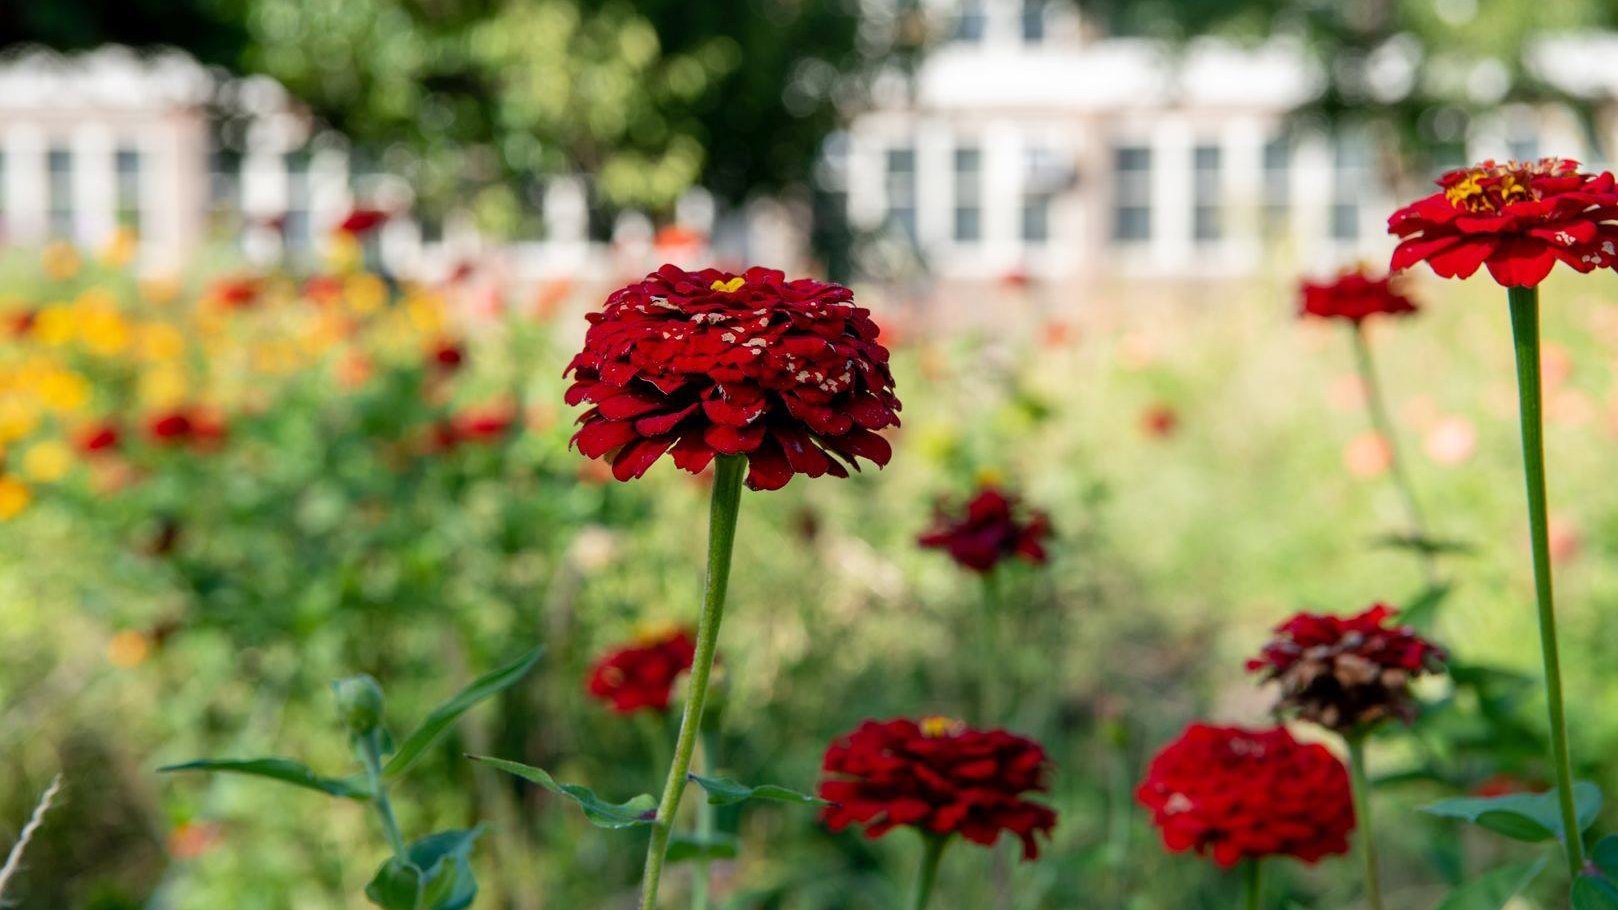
(638, 811)
(1528, 817)
(481, 689)
(435, 875)
(284, 770)
(1494, 889)
(726, 792)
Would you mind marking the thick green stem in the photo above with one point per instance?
(1382, 422)
(1253, 876)
(705, 829)
(928, 876)
(727, 494)
(1525, 334)
(1362, 816)
(991, 660)
(371, 756)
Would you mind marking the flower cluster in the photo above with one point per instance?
(939, 776)
(1353, 295)
(642, 675)
(1518, 219)
(697, 364)
(1236, 794)
(993, 528)
(1346, 673)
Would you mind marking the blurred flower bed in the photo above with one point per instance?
(220, 492)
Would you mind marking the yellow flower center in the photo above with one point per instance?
(729, 287)
(937, 726)
(1492, 187)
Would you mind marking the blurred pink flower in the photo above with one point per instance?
(1346, 393)
(1555, 366)
(1368, 455)
(1451, 441)
(1566, 539)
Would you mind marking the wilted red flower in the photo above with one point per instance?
(642, 675)
(787, 373)
(939, 776)
(99, 437)
(361, 221)
(1354, 295)
(992, 529)
(1237, 794)
(1517, 218)
(1346, 673)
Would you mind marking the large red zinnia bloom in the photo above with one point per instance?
(642, 675)
(1346, 673)
(1354, 295)
(1517, 218)
(787, 373)
(993, 528)
(939, 776)
(1237, 794)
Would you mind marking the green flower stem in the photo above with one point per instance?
(1382, 422)
(992, 662)
(1525, 335)
(705, 828)
(1362, 816)
(370, 744)
(1253, 876)
(928, 876)
(727, 494)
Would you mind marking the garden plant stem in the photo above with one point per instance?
(727, 493)
(705, 829)
(1254, 875)
(1382, 422)
(371, 754)
(1525, 335)
(1362, 818)
(925, 880)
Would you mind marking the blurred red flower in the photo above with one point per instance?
(642, 675)
(448, 356)
(993, 528)
(938, 776)
(99, 437)
(23, 322)
(1237, 794)
(1354, 295)
(1159, 421)
(1346, 673)
(361, 221)
(236, 292)
(1518, 219)
(787, 373)
(186, 426)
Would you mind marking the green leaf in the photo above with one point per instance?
(489, 684)
(684, 845)
(1528, 817)
(722, 791)
(282, 769)
(396, 886)
(1591, 892)
(1494, 889)
(446, 858)
(1433, 546)
(1420, 611)
(639, 811)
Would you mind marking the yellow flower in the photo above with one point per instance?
(275, 357)
(63, 391)
(60, 260)
(163, 386)
(55, 325)
(426, 313)
(47, 461)
(14, 498)
(159, 342)
(121, 248)
(365, 293)
(128, 649)
(344, 253)
(101, 328)
(18, 417)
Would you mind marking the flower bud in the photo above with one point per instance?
(359, 702)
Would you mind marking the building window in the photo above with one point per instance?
(1349, 173)
(1523, 145)
(968, 195)
(971, 21)
(1033, 21)
(297, 232)
(1205, 213)
(224, 185)
(128, 168)
(59, 186)
(1044, 175)
(901, 189)
(1277, 188)
(1132, 189)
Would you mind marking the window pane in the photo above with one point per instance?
(1348, 184)
(968, 194)
(970, 22)
(901, 187)
(1132, 186)
(1033, 21)
(1205, 212)
(1277, 189)
(128, 167)
(59, 164)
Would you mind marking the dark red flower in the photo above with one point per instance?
(642, 675)
(22, 322)
(362, 221)
(1160, 421)
(1517, 218)
(1354, 295)
(169, 427)
(786, 373)
(448, 356)
(1346, 673)
(1237, 794)
(99, 437)
(237, 292)
(939, 776)
(197, 427)
(992, 529)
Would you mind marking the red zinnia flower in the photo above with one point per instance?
(1347, 673)
(169, 427)
(361, 221)
(99, 437)
(938, 776)
(201, 428)
(1240, 794)
(642, 675)
(990, 531)
(236, 293)
(787, 373)
(448, 356)
(1354, 295)
(1517, 218)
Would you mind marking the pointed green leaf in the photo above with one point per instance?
(1415, 543)
(1492, 890)
(685, 845)
(641, 810)
(722, 791)
(282, 769)
(396, 886)
(1419, 612)
(1594, 893)
(489, 684)
(1528, 817)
